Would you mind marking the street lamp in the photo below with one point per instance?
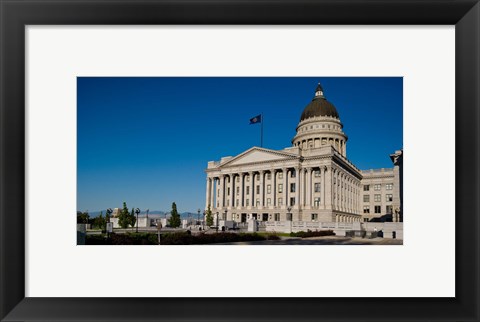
(225, 221)
(109, 212)
(198, 216)
(203, 221)
(218, 214)
(137, 211)
(148, 223)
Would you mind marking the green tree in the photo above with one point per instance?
(124, 217)
(82, 217)
(100, 222)
(132, 219)
(209, 217)
(174, 220)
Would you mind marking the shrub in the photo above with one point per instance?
(273, 237)
(309, 233)
(183, 238)
(95, 240)
(123, 239)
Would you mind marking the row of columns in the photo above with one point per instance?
(340, 145)
(347, 218)
(347, 193)
(342, 195)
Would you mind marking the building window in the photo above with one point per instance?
(378, 209)
(366, 198)
(238, 191)
(292, 174)
(292, 201)
(366, 187)
(389, 209)
(314, 217)
(247, 202)
(237, 203)
(238, 179)
(292, 187)
(377, 187)
(258, 189)
(280, 201)
(366, 209)
(258, 202)
(388, 198)
(334, 180)
(269, 176)
(277, 217)
(389, 186)
(316, 202)
(317, 173)
(228, 191)
(269, 201)
(247, 179)
(269, 188)
(317, 187)
(280, 187)
(280, 175)
(248, 190)
(377, 198)
(258, 178)
(365, 219)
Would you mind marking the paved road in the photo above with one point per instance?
(323, 241)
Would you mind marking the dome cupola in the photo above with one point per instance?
(319, 106)
(320, 126)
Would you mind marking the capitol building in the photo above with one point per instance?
(311, 181)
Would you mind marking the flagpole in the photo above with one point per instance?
(261, 131)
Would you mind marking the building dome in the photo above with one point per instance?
(320, 126)
(319, 106)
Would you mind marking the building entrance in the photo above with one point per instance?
(244, 218)
(254, 216)
(265, 217)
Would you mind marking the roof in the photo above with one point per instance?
(319, 106)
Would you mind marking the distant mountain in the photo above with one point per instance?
(151, 213)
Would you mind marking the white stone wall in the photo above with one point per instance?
(382, 177)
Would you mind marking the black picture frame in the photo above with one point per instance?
(15, 15)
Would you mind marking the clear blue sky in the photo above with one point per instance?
(147, 141)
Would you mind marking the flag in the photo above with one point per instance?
(256, 119)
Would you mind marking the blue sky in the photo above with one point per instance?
(147, 140)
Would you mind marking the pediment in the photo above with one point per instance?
(256, 155)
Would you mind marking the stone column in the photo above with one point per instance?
(341, 188)
(242, 177)
(274, 187)
(309, 188)
(297, 187)
(213, 193)
(207, 195)
(300, 179)
(232, 190)
(328, 187)
(284, 194)
(262, 189)
(252, 189)
(221, 185)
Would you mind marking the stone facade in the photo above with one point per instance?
(311, 181)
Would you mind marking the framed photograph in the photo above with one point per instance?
(239, 160)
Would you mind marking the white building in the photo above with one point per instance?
(310, 181)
